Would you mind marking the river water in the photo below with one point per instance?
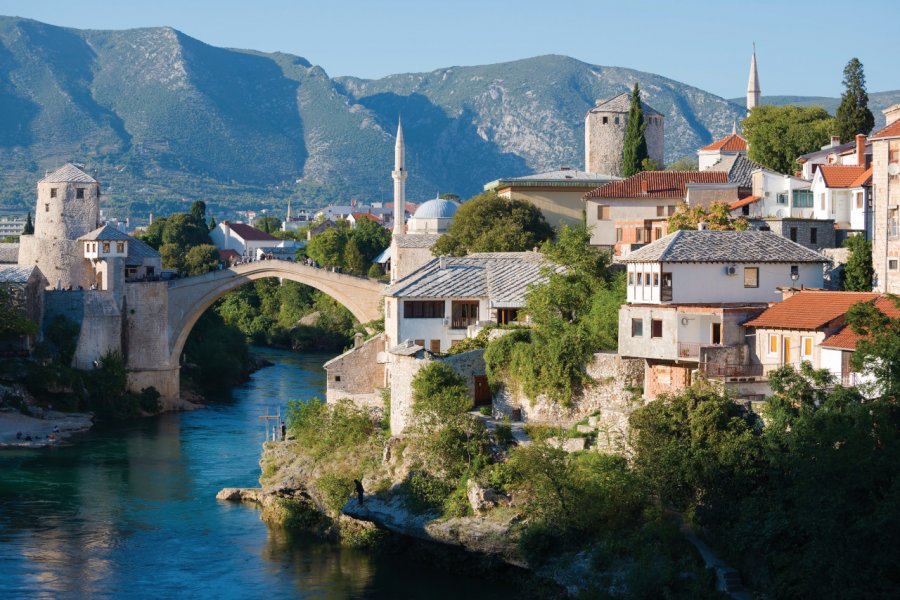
(130, 511)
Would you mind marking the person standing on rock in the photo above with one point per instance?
(360, 493)
(283, 431)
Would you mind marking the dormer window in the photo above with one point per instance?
(79, 193)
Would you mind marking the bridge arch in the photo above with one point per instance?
(190, 297)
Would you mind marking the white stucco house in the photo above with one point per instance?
(245, 239)
(689, 293)
(841, 193)
(451, 298)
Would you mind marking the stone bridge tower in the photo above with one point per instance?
(68, 207)
(604, 135)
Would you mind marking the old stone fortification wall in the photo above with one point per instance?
(66, 216)
(61, 261)
(146, 339)
(402, 369)
(604, 142)
(612, 396)
(357, 375)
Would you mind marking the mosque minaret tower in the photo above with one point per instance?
(399, 174)
(753, 84)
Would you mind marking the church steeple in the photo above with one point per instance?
(753, 83)
(399, 174)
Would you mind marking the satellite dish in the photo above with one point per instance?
(893, 169)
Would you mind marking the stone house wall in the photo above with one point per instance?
(614, 395)
(357, 374)
(664, 378)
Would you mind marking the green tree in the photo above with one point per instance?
(853, 115)
(212, 224)
(439, 393)
(13, 322)
(354, 261)
(29, 226)
(716, 217)
(327, 248)
(488, 223)
(878, 351)
(634, 150)
(685, 163)
(201, 259)
(370, 239)
(779, 134)
(198, 212)
(858, 272)
(268, 224)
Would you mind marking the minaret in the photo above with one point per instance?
(287, 218)
(753, 83)
(399, 174)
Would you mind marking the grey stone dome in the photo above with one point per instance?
(436, 209)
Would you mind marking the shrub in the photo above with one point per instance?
(503, 433)
(323, 428)
(439, 393)
(336, 490)
(424, 493)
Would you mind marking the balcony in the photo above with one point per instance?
(689, 350)
(727, 371)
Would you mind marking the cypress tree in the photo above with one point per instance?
(858, 272)
(853, 115)
(634, 150)
(29, 226)
(212, 223)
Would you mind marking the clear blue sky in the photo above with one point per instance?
(801, 46)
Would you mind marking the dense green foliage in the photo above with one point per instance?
(439, 393)
(288, 314)
(716, 216)
(779, 134)
(350, 249)
(321, 427)
(573, 315)
(634, 149)
(268, 224)
(200, 259)
(488, 223)
(685, 163)
(13, 322)
(215, 355)
(853, 115)
(183, 241)
(858, 272)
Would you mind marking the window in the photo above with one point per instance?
(53, 192)
(631, 278)
(423, 309)
(781, 198)
(46, 208)
(716, 333)
(751, 277)
(892, 223)
(640, 279)
(859, 199)
(106, 247)
(602, 213)
(464, 313)
(79, 193)
(617, 120)
(337, 377)
(803, 199)
(656, 328)
(795, 272)
(892, 264)
(813, 235)
(419, 343)
(660, 211)
(894, 152)
(605, 120)
(507, 315)
(120, 247)
(665, 293)
(637, 328)
(619, 234)
(655, 279)
(435, 346)
(793, 234)
(657, 233)
(773, 343)
(807, 347)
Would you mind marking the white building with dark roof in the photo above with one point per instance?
(449, 298)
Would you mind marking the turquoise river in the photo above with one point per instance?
(130, 511)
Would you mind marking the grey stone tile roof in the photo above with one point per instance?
(16, 273)
(621, 104)
(502, 277)
(68, 173)
(138, 251)
(416, 240)
(739, 168)
(406, 348)
(724, 247)
(106, 233)
(9, 253)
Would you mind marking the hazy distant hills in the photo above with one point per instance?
(877, 102)
(161, 118)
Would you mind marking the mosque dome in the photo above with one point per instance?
(436, 209)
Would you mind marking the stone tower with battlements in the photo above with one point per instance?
(399, 174)
(604, 135)
(68, 207)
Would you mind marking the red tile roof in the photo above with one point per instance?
(892, 130)
(730, 143)
(228, 254)
(809, 309)
(660, 184)
(743, 202)
(841, 176)
(362, 215)
(249, 233)
(846, 338)
(864, 179)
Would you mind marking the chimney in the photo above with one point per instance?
(441, 262)
(645, 186)
(891, 114)
(701, 226)
(860, 150)
(835, 140)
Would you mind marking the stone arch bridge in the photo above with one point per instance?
(159, 316)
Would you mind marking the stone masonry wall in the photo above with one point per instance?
(61, 261)
(612, 395)
(357, 375)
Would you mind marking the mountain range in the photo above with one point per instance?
(162, 119)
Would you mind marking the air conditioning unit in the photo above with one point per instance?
(731, 270)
